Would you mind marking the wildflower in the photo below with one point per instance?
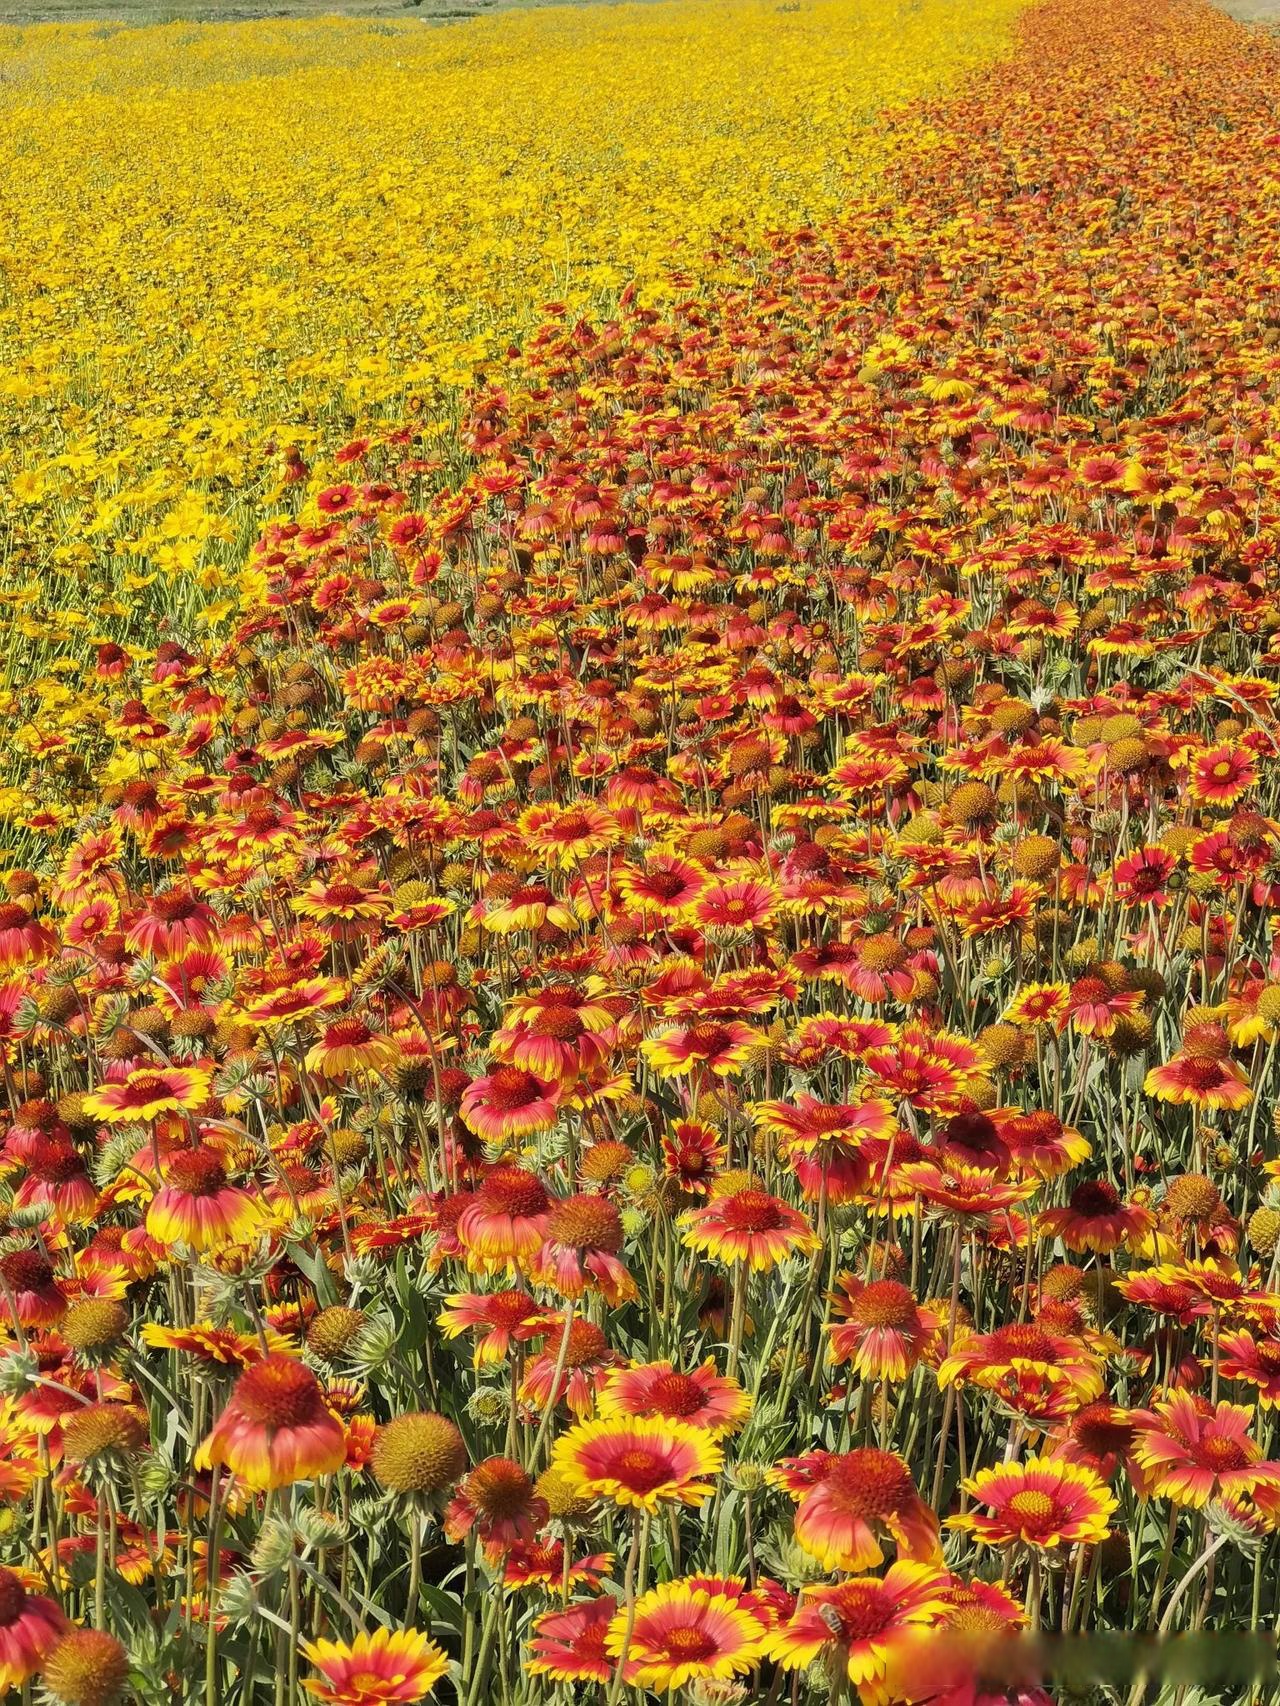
(846, 1500)
(884, 1332)
(679, 1633)
(639, 1463)
(861, 1624)
(704, 1398)
(276, 1428)
(748, 1226)
(1193, 1452)
(571, 1645)
(387, 1666)
(30, 1626)
(497, 1499)
(198, 1207)
(1044, 1502)
(145, 1094)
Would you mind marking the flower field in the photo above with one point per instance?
(337, 220)
(648, 1065)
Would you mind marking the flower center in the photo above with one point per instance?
(867, 1483)
(859, 1610)
(642, 1470)
(279, 1393)
(1034, 1508)
(676, 1394)
(512, 1191)
(884, 1303)
(690, 1644)
(752, 1211)
(510, 1088)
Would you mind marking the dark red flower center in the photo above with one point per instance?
(510, 1088)
(676, 1394)
(25, 1270)
(859, 1610)
(1095, 1198)
(13, 1596)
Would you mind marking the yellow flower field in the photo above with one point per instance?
(224, 241)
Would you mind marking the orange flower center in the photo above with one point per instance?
(752, 1211)
(198, 1172)
(689, 1644)
(279, 1393)
(867, 1483)
(512, 1191)
(884, 1303)
(862, 1609)
(499, 1488)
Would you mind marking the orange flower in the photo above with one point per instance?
(639, 1464)
(276, 1429)
(748, 1226)
(149, 1092)
(388, 1666)
(1044, 1502)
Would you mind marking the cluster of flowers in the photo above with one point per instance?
(164, 381)
(660, 1079)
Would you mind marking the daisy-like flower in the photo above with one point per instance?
(276, 1429)
(219, 1346)
(583, 1369)
(639, 1464)
(509, 1102)
(499, 1501)
(570, 1646)
(1200, 1080)
(580, 1253)
(504, 1225)
(680, 1633)
(1045, 1502)
(1096, 1219)
(1253, 1359)
(390, 1665)
(692, 1153)
(705, 1047)
(846, 1501)
(349, 1046)
(984, 1359)
(657, 1390)
(147, 1093)
(1221, 775)
(542, 1563)
(1194, 1452)
(499, 1319)
(28, 1289)
(885, 1331)
(748, 1226)
(1102, 1436)
(198, 1207)
(30, 1625)
(863, 1624)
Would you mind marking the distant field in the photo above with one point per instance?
(140, 12)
